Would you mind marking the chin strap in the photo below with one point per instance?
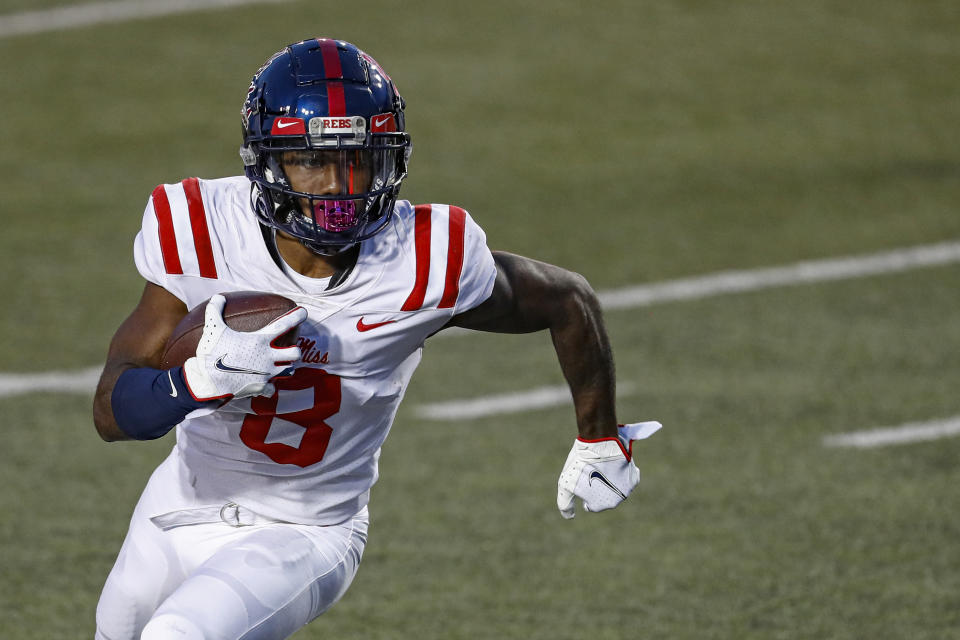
(350, 254)
(327, 251)
(270, 241)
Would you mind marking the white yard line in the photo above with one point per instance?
(516, 402)
(465, 409)
(705, 286)
(904, 434)
(725, 282)
(79, 381)
(86, 15)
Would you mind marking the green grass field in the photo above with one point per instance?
(633, 142)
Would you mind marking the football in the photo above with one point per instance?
(244, 311)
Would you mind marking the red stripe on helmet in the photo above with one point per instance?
(451, 287)
(331, 59)
(336, 101)
(421, 232)
(198, 223)
(168, 237)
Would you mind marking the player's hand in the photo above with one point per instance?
(601, 472)
(238, 363)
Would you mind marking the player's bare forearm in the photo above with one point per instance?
(138, 342)
(531, 296)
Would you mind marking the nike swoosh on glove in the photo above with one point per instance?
(601, 472)
(238, 364)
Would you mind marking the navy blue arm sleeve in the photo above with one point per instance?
(149, 402)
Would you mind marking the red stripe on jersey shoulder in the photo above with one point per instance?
(421, 232)
(198, 224)
(168, 237)
(451, 287)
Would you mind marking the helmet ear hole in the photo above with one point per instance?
(349, 107)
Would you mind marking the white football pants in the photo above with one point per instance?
(216, 581)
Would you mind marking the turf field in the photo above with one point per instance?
(633, 142)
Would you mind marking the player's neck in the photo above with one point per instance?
(304, 261)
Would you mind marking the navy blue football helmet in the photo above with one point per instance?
(324, 105)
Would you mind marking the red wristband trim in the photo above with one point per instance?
(627, 451)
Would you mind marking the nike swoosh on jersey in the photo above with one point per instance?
(173, 387)
(220, 366)
(367, 327)
(599, 476)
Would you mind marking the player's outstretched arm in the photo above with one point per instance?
(531, 296)
(139, 342)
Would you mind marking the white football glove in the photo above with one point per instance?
(601, 472)
(238, 363)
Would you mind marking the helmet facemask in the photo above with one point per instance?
(331, 196)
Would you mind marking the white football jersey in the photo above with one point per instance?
(308, 454)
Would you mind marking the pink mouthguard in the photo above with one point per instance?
(335, 215)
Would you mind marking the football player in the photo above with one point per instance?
(256, 522)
